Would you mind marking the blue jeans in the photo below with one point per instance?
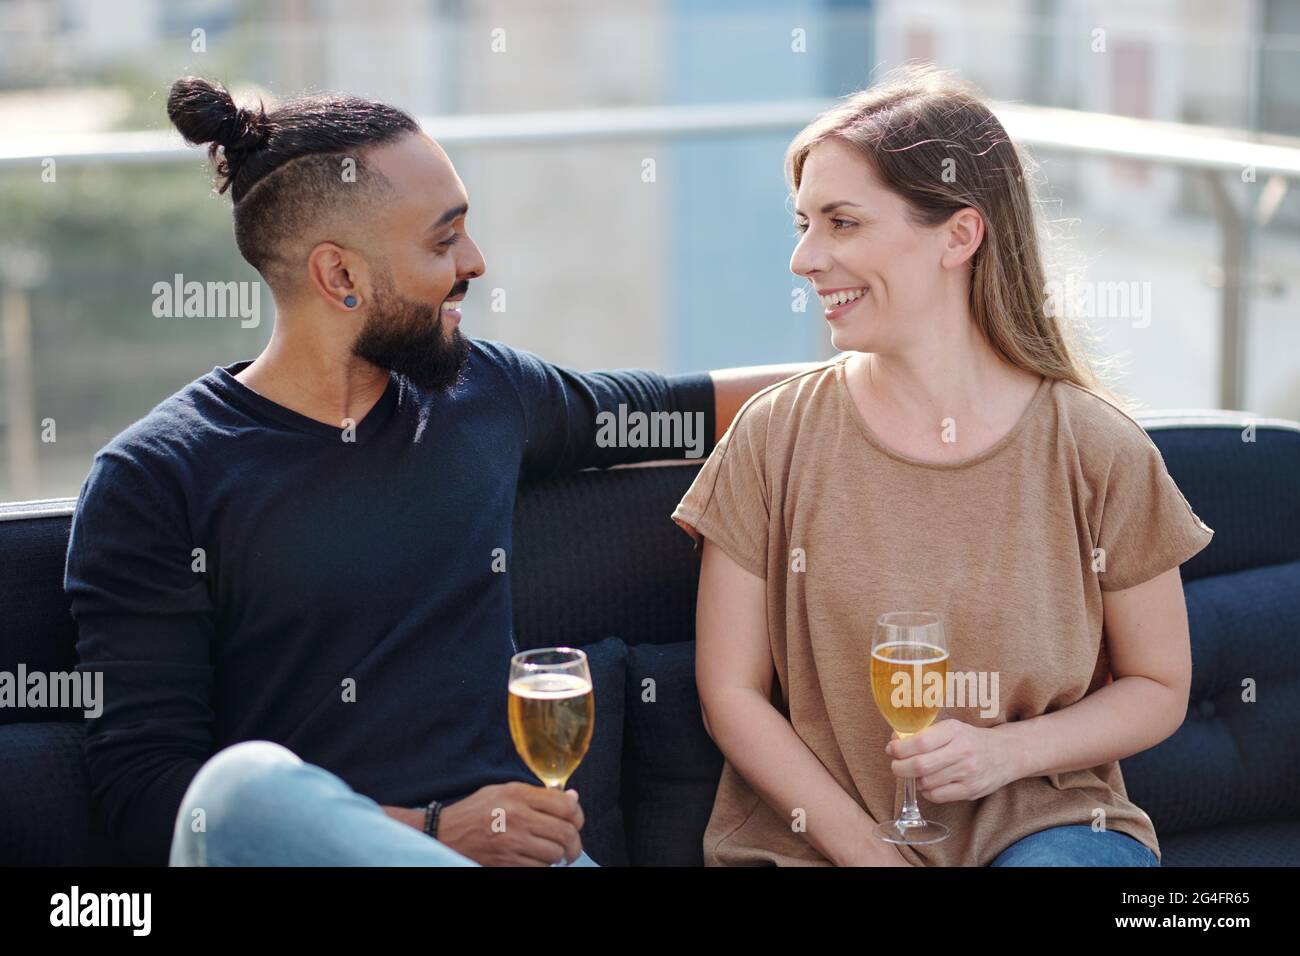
(1077, 845)
(263, 806)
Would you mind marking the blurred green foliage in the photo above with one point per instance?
(100, 358)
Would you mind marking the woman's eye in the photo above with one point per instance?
(842, 223)
(801, 226)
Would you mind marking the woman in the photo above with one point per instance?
(957, 457)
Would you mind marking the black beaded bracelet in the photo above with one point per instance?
(431, 814)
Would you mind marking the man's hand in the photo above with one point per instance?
(514, 824)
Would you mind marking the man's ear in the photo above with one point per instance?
(338, 275)
(963, 234)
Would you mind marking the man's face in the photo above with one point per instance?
(410, 338)
(413, 313)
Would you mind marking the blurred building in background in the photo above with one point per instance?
(662, 251)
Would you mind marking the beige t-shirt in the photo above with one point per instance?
(1001, 544)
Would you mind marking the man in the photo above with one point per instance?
(294, 555)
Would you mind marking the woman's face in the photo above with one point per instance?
(878, 275)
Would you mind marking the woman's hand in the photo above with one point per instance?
(952, 761)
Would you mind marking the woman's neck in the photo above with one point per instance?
(956, 373)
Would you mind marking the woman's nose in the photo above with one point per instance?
(807, 260)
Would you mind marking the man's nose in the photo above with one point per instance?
(472, 265)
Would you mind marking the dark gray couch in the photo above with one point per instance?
(598, 563)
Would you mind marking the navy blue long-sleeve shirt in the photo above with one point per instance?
(237, 571)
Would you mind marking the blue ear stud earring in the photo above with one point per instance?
(350, 301)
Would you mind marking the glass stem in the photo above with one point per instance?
(911, 812)
(558, 787)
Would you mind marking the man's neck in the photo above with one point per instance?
(314, 381)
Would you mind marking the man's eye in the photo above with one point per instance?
(448, 243)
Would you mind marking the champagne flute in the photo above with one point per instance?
(552, 711)
(906, 649)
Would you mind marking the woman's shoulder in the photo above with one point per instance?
(1144, 523)
(776, 409)
(1104, 430)
(730, 498)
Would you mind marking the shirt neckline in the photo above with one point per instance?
(225, 384)
(851, 408)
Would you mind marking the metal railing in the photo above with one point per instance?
(1071, 131)
(1216, 153)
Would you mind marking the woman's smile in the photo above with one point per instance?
(839, 302)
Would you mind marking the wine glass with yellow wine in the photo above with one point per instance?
(909, 669)
(552, 711)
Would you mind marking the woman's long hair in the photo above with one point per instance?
(932, 140)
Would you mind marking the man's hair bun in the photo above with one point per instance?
(204, 112)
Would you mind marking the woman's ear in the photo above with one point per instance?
(963, 234)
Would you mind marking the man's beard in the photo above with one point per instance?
(408, 338)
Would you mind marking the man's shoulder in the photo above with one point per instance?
(172, 431)
(497, 359)
(499, 354)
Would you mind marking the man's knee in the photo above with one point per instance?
(236, 787)
(243, 772)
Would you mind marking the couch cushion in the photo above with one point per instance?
(45, 812)
(36, 627)
(1231, 761)
(670, 765)
(596, 553)
(1244, 490)
(1274, 843)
